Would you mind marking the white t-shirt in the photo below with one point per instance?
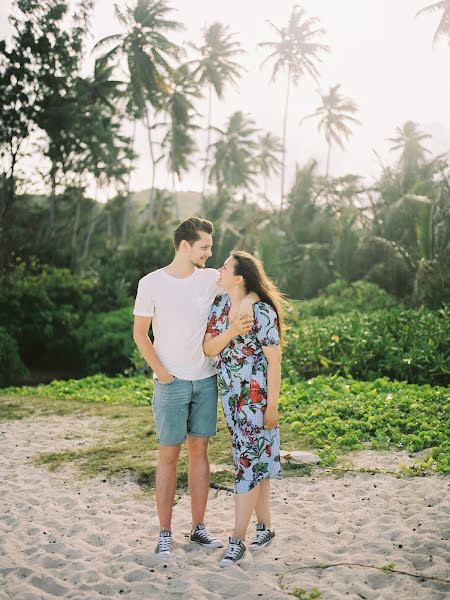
(180, 310)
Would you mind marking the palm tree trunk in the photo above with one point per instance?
(126, 210)
(208, 143)
(175, 195)
(283, 157)
(152, 156)
(328, 158)
(74, 233)
(51, 199)
(92, 224)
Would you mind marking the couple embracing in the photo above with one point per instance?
(234, 316)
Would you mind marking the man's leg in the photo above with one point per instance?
(166, 483)
(198, 476)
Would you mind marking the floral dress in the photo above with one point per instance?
(242, 375)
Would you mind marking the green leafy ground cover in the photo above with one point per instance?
(331, 415)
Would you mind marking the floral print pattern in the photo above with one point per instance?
(242, 376)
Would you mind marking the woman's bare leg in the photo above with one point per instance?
(244, 505)
(262, 507)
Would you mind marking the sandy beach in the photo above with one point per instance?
(63, 536)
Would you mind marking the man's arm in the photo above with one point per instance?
(143, 342)
(247, 303)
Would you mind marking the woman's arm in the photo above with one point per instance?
(273, 356)
(213, 345)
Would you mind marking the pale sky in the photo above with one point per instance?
(380, 53)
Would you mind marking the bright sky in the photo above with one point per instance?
(380, 53)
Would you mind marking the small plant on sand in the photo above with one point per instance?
(303, 594)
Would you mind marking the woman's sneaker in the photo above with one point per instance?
(201, 536)
(234, 554)
(164, 547)
(262, 538)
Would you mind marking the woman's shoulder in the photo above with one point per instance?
(263, 308)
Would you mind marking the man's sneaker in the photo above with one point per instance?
(262, 538)
(234, 554)
(164, 547)
(201, 536)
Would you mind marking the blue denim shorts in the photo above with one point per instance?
(183, 408)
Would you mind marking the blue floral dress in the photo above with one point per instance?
(242, 375)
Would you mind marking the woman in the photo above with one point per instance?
(249, 371)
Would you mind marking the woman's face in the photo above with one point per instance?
(227, 278)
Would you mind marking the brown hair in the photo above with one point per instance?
(256, 280)
(189, 230)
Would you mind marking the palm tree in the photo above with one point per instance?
(148, 52)
(413, 153)
(443, 29)
(215, 68)
(178, 140)
(296, 51)
(334, 114)
(234, 154)
(268, 156)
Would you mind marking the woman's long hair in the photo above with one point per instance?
(256, 280)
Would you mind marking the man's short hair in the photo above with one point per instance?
(189, 230)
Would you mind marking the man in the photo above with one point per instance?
(176, 301)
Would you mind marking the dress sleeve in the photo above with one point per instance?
(214, 312)
(266, 325)
(144, 305)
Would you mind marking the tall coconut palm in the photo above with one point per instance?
(335, 115)
(178, 141)
(268, 160)
(148, 53)
(443, 29)
(234, 154)
(216, 68)
(413, 153)
(296, 51)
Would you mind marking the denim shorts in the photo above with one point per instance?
(183, 408)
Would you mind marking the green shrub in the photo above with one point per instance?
(41, 307)
(341, 297)
(105, 342)
(407, 345)
(12, 368)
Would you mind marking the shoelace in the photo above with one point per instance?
(261, 535)
(233, 550)
(165, 543)
(205, 535)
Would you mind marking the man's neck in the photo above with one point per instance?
(180, 268)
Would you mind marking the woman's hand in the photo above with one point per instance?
(241, 325)
(271, 417)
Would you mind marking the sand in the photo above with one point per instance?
(62, 536)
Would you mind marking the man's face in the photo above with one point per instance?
(201, 250)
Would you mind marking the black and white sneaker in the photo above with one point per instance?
(234, 554)
(164, 547)
(201, 536)
(262, 538)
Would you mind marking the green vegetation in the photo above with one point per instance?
(407, 345)
(11, 365)
(332, 415)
